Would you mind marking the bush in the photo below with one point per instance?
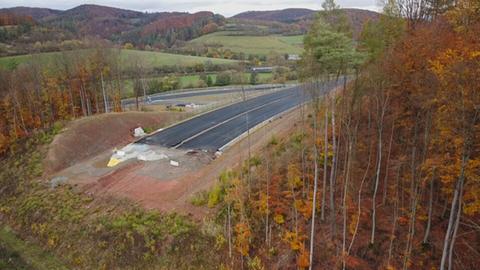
(165, 84)
(200, 198)
(223, 79)
(215, 196)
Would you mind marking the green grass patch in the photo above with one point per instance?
(200, 198)
(151, 59)
(157, 59)
(18, 254)
(259, 45)
(292, 40)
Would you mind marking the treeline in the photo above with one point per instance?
(381, 174)
(82, 83)
(172, 30)
(8, 19)
(155, 31)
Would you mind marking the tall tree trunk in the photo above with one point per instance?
(359, 210)
(345, 193)
(332, 174)
(268, 203)
(315, 183)
(395, 217)
(381, 107)
(105, 101)
(325, 162)
(229, 215)
(457, 223)
(454, 213)
(430, 209)
(385, 178)
(413, 203)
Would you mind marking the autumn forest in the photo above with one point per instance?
(382, 173)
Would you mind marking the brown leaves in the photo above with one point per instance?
(243, 238)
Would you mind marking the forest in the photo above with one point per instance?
(383, 173)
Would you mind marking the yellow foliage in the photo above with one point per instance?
(304, 207)
(279, 219)
(295, 240)
(52, 242)
(255, 264)
(242, 241)
(303, 259)
(293, 176)
(353, 224)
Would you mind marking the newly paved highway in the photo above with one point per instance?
(179, 94)
(215, 129)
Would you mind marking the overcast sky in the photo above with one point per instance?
(224, 7)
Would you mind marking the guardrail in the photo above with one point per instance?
(126, 103)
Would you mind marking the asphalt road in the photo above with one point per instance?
(176, 95)
(215, 129)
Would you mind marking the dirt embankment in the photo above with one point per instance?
(87, 137)
(157, 185)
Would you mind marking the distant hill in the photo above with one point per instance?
(357, 18)
(34, 13)
(285, 15)
(157, 29)
(304, 17)
(53, 30)
(175, 20)
(94, 20)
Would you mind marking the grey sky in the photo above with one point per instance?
(227, 8)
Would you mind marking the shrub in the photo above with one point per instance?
(223, 79)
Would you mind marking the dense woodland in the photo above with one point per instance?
(33, 98)
(24, 30)
(383, 173)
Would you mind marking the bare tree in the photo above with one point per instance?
(415, 11)
(381, 103)
(430, 208)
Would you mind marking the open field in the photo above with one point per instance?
(166, 59)
(151, 59)
(292, 40)
(261, 45)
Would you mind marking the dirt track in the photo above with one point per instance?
(157, 185)
(87, 137)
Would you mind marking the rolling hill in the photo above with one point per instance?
(121, 25)
(34, 13)
(285, 15)
(304, 17)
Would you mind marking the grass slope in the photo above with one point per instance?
(18, 254)
(261, 45)
(152, 59)
(166, 59)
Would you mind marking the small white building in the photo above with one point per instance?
(293, 57)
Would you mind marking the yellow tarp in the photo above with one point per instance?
(113, 162)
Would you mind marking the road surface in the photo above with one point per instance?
(213, 130)
(182, 94)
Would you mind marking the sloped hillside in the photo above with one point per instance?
(121, 25)
(302, 18)
(285, 15)
(35, 13)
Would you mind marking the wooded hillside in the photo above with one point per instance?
(382, 174)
